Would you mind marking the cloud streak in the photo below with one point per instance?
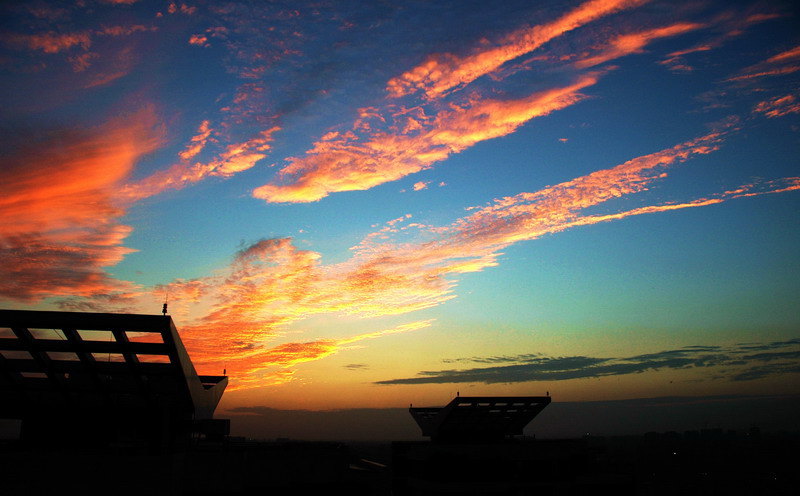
(59, 223)
(236, 158)
(634, 43)
(390, 142)
(441, 73)
(272, 284)
(778, 106)
(735, 363)
(344, 162)
(781, 64)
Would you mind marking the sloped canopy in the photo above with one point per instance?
(479, 417)
(74, 365)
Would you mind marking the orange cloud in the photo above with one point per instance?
(634, 43)
(236, 158)
(199, 40)
(198, 142)
(124, 30)
(791, 54)
(779, 106)
(782, 71)
(58, 221)
(250, 372)
(82, 62)
(776, 65)
(120, 66)
(733, 26)
(272, 283)
(53, 42)
(344, 163)
(174, 8)
(443, 72)
(50, 42)
(421, 185)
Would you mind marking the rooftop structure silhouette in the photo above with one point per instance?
(482, 418)
(100, 378)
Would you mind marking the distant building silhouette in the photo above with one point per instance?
(473, 449)
(479, 418)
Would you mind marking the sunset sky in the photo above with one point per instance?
(354, 204)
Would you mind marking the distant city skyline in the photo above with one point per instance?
(353, 205)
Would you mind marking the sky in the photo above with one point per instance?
(369, 204)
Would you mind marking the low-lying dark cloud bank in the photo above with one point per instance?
(558, 420)
(740, 362)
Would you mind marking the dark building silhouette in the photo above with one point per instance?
(479, 418)
(112, 404)
(475, 448)
(95, 379)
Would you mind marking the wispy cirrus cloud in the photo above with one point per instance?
(98, 55)
(344, 162)
(779, 106)
(389, 142)
(786, 62)
(272, 283)
(632, 43)
(253, 369)
(52, 42)
(725, 27)
(420, 185)
(440, 73)
(235, 158)
(49, 42)
(735, 363)
(59, 223)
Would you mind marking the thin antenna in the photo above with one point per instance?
(166, 301)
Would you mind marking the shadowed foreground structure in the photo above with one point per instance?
(479, 418)
(473, 449)
(112, 403)
(103, 379)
